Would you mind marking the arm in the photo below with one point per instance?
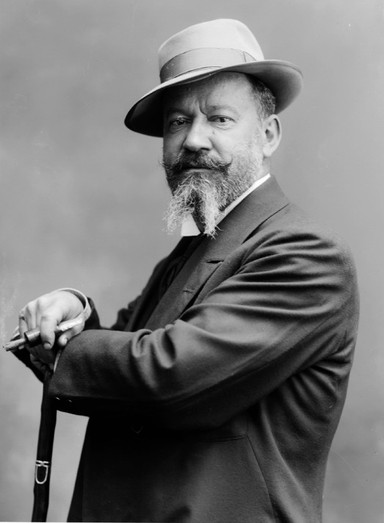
(281, 312)
(53, 306)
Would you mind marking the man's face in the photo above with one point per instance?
(212, 148)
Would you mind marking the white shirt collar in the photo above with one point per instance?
(189, 227)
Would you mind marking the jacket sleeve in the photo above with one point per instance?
(290, 304)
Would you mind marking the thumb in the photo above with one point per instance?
(70, 329)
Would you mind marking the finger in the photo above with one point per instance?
(64, 338)
(51, 310)
(23, 323)
(48, 324)
(27, 317)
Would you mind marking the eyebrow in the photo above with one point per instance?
(173, 109)
(225, 107)
(214, 107)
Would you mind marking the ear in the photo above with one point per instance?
(272, 135)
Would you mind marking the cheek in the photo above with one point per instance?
(171, 147)
(223, 146)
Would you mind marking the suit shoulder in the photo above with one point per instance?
(292, 232)
(292, 221)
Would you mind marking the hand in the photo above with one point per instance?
(45, 313)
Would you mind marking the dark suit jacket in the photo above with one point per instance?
(219, 404)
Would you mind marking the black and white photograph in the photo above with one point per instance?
(191, 282)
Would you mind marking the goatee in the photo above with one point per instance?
(203, 187)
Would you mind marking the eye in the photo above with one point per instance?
(176, 123)
(221, 120)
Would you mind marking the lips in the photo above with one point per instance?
(197, 164)
(200, 164)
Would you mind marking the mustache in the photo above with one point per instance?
(186, 161)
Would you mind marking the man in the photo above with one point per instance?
(216, 395)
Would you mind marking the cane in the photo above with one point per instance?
(44, 454)
(47, 422)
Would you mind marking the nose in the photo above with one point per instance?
(198, 137)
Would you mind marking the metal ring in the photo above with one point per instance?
(38, 466)
(21, 316)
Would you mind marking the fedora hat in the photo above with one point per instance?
(205, 49)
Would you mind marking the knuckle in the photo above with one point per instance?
(28, 309)
(42, 303)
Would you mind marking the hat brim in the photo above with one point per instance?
(283, 78)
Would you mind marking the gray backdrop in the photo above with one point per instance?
(82, 198)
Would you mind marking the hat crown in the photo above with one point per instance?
(218, 37)
(208, 48)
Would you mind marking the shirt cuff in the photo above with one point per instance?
(82, 297)
(86, 314)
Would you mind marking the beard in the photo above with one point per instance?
(205, 194)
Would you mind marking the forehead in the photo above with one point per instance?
(233, 89)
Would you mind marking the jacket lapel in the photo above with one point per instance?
(147, 300)
(185, 286)
(233, 231)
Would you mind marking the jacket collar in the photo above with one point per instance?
(237, 226)
(234, 230)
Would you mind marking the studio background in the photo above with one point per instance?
(82, 198)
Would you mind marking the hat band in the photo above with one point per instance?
(203, 58)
